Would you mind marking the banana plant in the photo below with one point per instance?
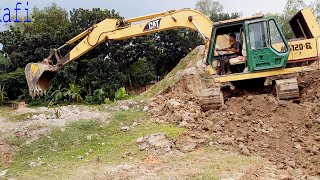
(74, 93)
(99, 95)
(57, 96)
(121, 94)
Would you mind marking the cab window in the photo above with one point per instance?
(258, 35)
(276, 41)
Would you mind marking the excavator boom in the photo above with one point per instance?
(40, 75)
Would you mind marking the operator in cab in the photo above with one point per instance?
(235, 47)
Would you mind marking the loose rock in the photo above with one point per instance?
(244, 150)
(145, 109)
(226, 141)
(3, 173)
(36, 164)
(158, 142)
(126, 128)
(80, 157)
(291, 164)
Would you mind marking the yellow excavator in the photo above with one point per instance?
(265, 52)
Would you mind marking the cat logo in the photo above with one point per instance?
(152, 25)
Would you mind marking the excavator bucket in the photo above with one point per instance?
(39, 77)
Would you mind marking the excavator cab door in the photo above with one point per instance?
(267, 47)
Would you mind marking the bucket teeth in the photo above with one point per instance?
(39, 91)
(36, 90)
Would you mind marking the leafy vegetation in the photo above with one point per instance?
(99, 96)
(3, 95)
(13, 82)
(121, 94)
(73, 93)
(141, 73)
(291, 8)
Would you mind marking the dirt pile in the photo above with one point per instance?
(160, 144)
(309, 84)
(283, 132)
(286, 133)
(6, 153)
(157, 142)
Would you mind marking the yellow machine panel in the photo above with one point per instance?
(307, 32)
(303, 50)
(310, 20)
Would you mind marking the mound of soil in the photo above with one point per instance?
(6, 153)
(285, 133)
(310, 87)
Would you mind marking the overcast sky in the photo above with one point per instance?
(132, 8)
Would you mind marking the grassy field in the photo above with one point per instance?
(60, 150)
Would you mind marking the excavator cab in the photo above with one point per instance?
(264, 46)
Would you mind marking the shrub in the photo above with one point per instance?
(107, 101)
(3, 95)
(73, 93)
(89, 100)
(121, 94)
(99, 96)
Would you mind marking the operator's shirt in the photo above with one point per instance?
(237, 46)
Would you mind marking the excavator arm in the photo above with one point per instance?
(40, 75)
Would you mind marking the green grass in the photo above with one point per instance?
(5, 111)
(16, 141)
(221, 163)
(169, 79)
(108, 143)
(20, 117)
(10, 115)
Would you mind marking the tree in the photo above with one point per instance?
(173, 46)
(224, 16)
(315, 6)
(103, 73)
(209, 7)
(141, 73)
(31, 42)
(82, 19)
(49, 29)
(14, 83)
(5, 64)
(49, 19)
(291, 8)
